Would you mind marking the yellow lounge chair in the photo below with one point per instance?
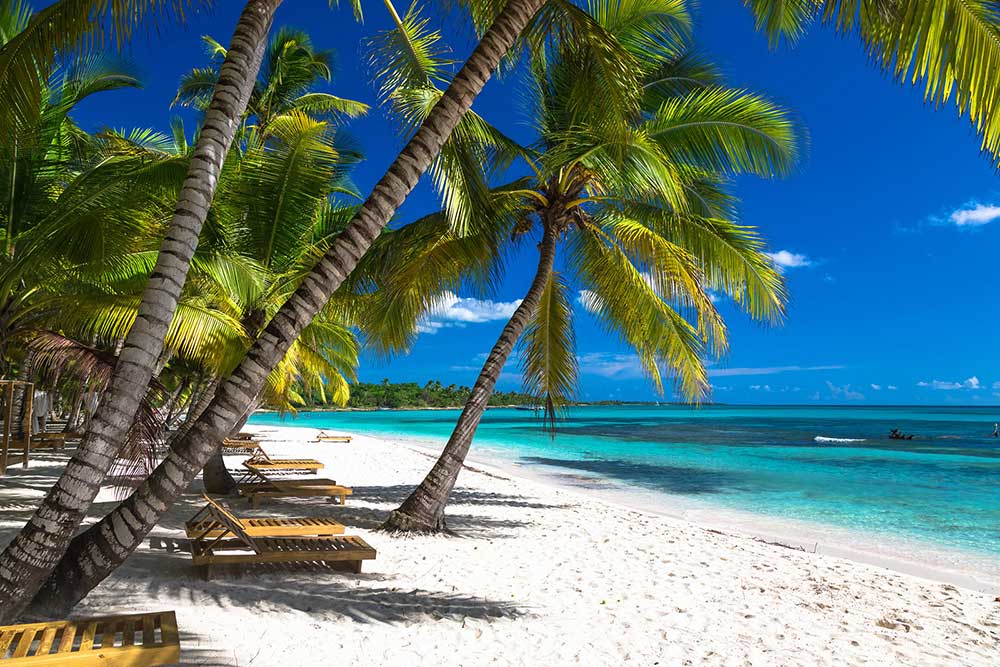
(202, 525)
(240, 446)
(323, 437)
(262, 486)
(129, 640)
(262, 462)
(232, 545)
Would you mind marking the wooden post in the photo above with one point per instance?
(6, 425)
(29, 396)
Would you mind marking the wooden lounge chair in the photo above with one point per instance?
(262, 462)
(49, 439)
(323, 437)
(233, 545)
(202, 525)
(261, 486)
(240, 446)
(129, 640)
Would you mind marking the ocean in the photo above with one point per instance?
(830, 466)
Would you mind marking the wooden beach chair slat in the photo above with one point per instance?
(27, 639)
(68, 635)
(45, 644)
(148, 631)
(87, 642)
(5, 640)
(128, 634)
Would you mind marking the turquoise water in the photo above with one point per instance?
(942, 487)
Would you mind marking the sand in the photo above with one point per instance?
(539, 574)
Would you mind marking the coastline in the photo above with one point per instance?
(535, 573)
(978, 572)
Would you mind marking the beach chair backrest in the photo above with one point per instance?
(230, 522)
(260, 456)
(250, 464)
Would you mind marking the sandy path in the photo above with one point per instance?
(539, 575)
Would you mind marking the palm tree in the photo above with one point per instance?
(632, 189)
(291, 159)
(291, 69)
(30, 557)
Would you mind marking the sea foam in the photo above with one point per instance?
(823, 438)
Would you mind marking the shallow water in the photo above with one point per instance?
(942, 487)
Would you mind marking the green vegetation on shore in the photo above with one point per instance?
(388, 394)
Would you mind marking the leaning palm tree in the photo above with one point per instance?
(631, 190)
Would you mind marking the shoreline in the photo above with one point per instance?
(535, 573)
(912, 557)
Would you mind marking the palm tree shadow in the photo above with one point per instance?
(311, 589)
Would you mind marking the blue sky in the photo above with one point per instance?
(889, 228)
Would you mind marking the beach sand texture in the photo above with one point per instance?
(538, 575)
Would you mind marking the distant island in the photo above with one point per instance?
(433, 395)
(403, 395)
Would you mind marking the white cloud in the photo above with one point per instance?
(975, 214)
(876, 387)
(779, 390)
(452, 310)
(767, 370)
(892, 387)
(610, 365)
(996, 385)
(845, 392)
(945, 385)
(588, 300)
(785, 259)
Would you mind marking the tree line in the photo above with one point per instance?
(432, 394)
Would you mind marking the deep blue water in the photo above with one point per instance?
(943, 486)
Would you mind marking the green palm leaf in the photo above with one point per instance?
(548, 351)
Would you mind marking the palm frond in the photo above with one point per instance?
(68, 26)
(730, 256)
(325, 104)
(625, 303)
(52, 355)
(726, 131)
(548, 351)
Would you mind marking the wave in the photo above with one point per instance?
(823, 438)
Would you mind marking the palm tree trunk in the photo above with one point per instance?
(104, 546)
(36, 550)
(423, 510)
(214, 475)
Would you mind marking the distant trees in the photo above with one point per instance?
(433, 394)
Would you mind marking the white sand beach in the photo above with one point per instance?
(538, 575)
